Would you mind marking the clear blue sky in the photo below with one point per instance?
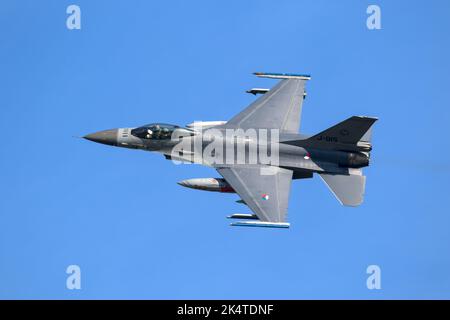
(120, 215)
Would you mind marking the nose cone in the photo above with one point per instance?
(108, 137)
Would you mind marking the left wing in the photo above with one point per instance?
(264, 189)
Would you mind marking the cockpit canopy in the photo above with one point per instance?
(155, 131)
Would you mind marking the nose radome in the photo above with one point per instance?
(108, 137)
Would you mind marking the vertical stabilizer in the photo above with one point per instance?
(349, 131)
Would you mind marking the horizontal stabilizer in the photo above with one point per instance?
(349, 190)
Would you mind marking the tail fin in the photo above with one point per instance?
(349, 131)
(353, 134)
(349, 190)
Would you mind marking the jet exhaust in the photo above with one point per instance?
(355, 160)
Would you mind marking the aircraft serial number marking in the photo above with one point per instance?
(327, 138)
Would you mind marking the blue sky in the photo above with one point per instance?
(134, 232)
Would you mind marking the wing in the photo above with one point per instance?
(280, 108)
(264, 189)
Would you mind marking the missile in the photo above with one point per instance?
(263, 224)
(256, 91)
(207, 184)
(243, 216)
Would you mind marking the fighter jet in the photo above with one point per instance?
(259, 151)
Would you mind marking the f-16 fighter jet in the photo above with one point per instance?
(260, 151)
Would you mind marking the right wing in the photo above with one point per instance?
(280, 108)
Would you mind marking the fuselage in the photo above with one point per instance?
(218, 147)
(259, 151)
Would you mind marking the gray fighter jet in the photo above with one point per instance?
(260, 151)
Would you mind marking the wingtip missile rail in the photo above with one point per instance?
(282, 75)
(261, 224)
